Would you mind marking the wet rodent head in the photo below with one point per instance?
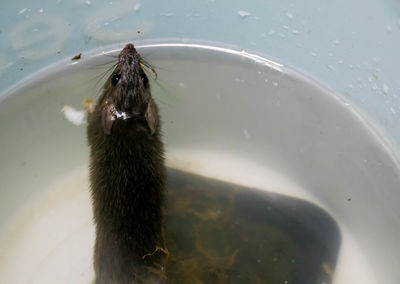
(127, 93)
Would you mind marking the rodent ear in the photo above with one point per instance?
(151, 117)
(107, 119)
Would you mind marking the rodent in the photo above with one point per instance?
(127, 177)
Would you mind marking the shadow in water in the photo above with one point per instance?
(219, 232)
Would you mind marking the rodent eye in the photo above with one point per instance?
(144, 78)
(115, 79)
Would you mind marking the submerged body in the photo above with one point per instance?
(127, 176)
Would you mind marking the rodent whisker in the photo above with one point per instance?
(101, 76)
(101, 65)
(145, 65)
(110, 55)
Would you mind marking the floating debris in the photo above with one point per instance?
(77, 57)
(76, 117)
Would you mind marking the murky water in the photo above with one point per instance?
(232, 121)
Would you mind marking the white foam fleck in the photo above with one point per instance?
(289, 15)
(76, 117)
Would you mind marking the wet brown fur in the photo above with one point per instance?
(127, 177)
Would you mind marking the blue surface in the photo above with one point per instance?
(350, 46)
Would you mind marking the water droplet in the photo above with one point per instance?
(285, 27)
(182, 85)
(243, 14)
(385, 88)
(389, 28)
(41, 10)
(246, 133)
(88, 2)
(275, 84)
(21, 11)
(271, 32)
(295, 32)
(393, 110)
(313, 54)
(136, 7)
(289, 15)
